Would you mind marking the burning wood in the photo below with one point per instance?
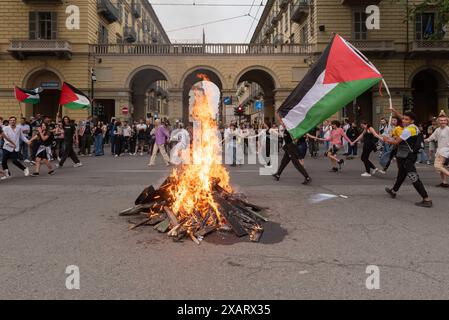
(197, 199)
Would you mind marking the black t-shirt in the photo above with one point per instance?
(49, 141)
(69, 132)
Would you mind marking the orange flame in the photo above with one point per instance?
(193, 188)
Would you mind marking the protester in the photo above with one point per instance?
(12, 136)
(162, 136)
(335, 138)
(70, 137)
(45, 140)
(369, 136)
(440, 136)
(388, 156)
(118, 139)
(291, 154)
(352, 133)
(180, 152)
(408, 147)
(98, 139)
(141, 128)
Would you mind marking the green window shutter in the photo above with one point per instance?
(33, 25)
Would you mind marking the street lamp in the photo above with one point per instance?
(93, 79)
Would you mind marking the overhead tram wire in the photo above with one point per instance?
(207, 23)
(206, 4)
(254, 20)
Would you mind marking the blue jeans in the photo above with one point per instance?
(99, 145)
(112, 141)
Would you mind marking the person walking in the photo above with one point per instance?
(291, 153)
(98, 139)
(440, 136)
(118, 139)
(406, 155)
(70, 138)
(388, 156)
(335, 138)
(12, 136)
(141, 128)
(352, 133)
(86, 137)
(370, 138)
(45, 139)
(162, 136)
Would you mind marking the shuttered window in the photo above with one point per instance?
(43, 25)
(360, 31)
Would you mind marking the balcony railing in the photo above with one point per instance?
(22, 49)
(136, 8)
(109, 11)
(200, 49)
(430, 46)
(300, 11)
(374, 45)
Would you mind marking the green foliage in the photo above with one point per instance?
(441, 9)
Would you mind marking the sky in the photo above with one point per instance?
(238, 30)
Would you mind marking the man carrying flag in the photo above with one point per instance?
(339, 76)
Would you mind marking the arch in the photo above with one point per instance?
(49, 98)
(202, 68)
(438, 72)
(148, 67)
(256, 68)
(426, 83)
(38, 70)
(190, 78)
(266, 82)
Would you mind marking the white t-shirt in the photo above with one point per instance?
(127, 131)
(441, 136)
(141, 127)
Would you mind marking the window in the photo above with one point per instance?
(120, 11)
(102, 34)
(360, 31)
(424, 25)
(42, 25)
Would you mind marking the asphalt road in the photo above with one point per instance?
(313, 248)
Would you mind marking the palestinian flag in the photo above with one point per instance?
(73, 98)
(27, 96)
(339, 76)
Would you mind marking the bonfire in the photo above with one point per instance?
(197, 198)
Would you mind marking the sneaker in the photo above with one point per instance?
(374, 171)
(115, 156)
(6, 175)
(381, 171)
(442, 185)
(150, 164)
(141, 154)
(26, 172)
(58, 166)
(77, 165)
(35, 174)
(26, 161)
(424, 204)
(366, 174)
(390, 192)
(51, 172)
(276, 177)
(307, 181)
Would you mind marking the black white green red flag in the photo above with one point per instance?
(339, 76)
(73, 98)
(27, 96)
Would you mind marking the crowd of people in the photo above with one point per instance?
(41, 140)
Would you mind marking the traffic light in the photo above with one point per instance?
(239, 111)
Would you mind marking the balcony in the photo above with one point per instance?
(136, 9)
(300, 11)
(359, 2)
(374, 46)
(274, 20)
(430, 46)
(22, 49)
(155, 37)
(109, 11)
(129, 34)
